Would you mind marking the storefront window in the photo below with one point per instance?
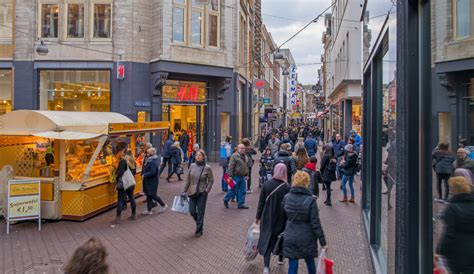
(5, 91)
(102, 20)
(75, 90)
(49, 21)
(75, 21)
(78, 156)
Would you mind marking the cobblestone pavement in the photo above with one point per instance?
(165, 243)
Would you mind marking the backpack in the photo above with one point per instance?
(223, 153)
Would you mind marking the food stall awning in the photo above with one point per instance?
(65, 125)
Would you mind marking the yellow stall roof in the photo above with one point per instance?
(66, 125)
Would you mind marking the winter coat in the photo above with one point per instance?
(250, 151)
(311, 146)
(150, 175)
(303, 227)
(285, 157)
(270, 213)
(350, 164)
(457, 242)
(192, 158)
(274, 145)
(328, 169)
(167, 148)
(443, 161)
(287, 141)
(184, 141)
(262, 143)
(338, 147)
(176, 156)
(194, 176)
(466, 163)
(224, 161)
(238, 165)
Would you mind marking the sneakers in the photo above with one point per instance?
(147, 212)
(266, 270)
(249, 191)
(243, 207)
(163, 209)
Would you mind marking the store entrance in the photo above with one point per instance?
(189, 118)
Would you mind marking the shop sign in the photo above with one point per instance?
(143, 126)
(120, 71)
(293, 85)
(185, 92)
(142, 103)
(259, 84)
(266, 101)
(24, 202)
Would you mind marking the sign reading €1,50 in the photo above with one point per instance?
(24, 202)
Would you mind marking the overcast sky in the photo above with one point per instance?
(307, 46)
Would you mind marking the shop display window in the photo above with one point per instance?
(75, 20)
(75, 90)
(78, 156)
(5, 91)
(49, 20)
(102, 20)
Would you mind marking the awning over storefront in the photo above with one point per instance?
(63, 125)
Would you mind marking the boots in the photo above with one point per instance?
(133, 217)
(352, 200)
(344, 200)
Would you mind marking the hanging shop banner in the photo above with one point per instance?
(24, 202)
(293, 85)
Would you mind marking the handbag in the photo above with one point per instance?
(179, 170)
(127, 179)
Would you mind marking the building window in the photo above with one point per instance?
(462, 20)
(102, 20)
(75, 90)
(75, 21)
(49, 21)
(191, 21)
(5, 91)
(6, 19)
(178, 20)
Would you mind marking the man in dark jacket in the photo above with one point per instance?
(443, 165)
(238, 170)
(457, 242)
(338, 148)
(284, 156)
(150, 181)
(184, 142)
(311, 145)
(167, 154)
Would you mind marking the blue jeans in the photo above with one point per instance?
(225, 187)
(239, 191)
(338, 169)
(351, 184)
(293, 265)
(185, 153)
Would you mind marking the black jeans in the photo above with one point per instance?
(328, 191)
(163, 165)
(122, 199)
(249, 180)
(268, 255)
(151, 198)
(443, 177)
(174, 171)
(197, 208)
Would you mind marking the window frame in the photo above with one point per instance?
(210, 13)
(10, 6)
(91, 20)
(202, 10)
(455, 21)
(65, 20)
(40, 19)
(185, 25)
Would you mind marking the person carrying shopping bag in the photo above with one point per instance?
(303, 227)
(270, 213)
(123, 192)
(198, 184)
(150, 182)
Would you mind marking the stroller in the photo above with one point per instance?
(266, 168)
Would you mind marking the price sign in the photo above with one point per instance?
(24, 201)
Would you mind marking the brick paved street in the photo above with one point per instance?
(165, 243)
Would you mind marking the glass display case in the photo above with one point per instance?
(78, 157)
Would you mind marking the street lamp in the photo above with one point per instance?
(42, 48)
(278, 55)
(285, 72)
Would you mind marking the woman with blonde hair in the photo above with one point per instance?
(303, 227)
(457, 242)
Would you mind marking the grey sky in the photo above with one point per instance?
(307, 46)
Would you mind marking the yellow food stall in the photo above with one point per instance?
(72, 154)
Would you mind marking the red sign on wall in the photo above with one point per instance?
(120, 71)
(186, 94)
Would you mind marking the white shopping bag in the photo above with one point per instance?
(324, 264)
(180, 204)
(253, 235)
